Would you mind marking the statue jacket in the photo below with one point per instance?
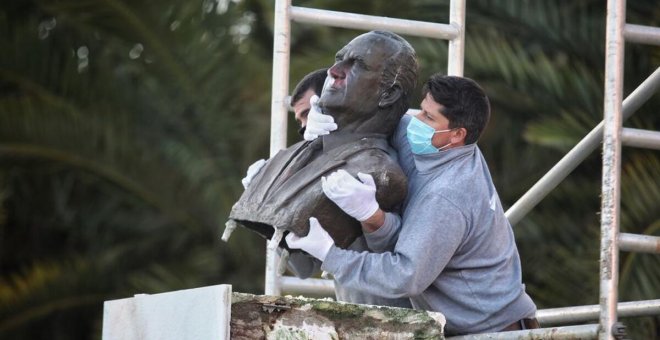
(287, 190)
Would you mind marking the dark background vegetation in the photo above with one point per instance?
(125, 127)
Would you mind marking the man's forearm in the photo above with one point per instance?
(374, 222)
(384, 238)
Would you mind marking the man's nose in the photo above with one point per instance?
(337, 71)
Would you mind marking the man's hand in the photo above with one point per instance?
(356, 198)
(318, 124)
(317, 242)
(252, 171)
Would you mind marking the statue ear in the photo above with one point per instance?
(390, 96)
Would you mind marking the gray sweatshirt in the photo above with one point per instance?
(455, 251)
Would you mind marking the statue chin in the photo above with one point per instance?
(329, 108)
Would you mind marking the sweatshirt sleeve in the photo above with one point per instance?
(386, 236)
(430, 235)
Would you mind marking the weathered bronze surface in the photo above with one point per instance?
(366, 93)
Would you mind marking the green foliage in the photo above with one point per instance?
(125, 127)
(119, 157)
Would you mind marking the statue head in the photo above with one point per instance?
(368, 87)
(366, 91)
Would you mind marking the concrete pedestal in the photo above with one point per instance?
(217, 313)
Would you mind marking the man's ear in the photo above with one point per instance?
(390, 96)
(458, 136)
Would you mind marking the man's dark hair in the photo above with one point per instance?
(465, 103)
(313, 81)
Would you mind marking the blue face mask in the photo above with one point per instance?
(420, 135)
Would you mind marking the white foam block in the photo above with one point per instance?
(200, 313)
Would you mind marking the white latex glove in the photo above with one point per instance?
(356, 198)
(317, 242)
(318, 124)
(252, 171)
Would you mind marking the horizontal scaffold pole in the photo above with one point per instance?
(569, 332)
(639, 243)
(640, 138)
(568, 315)
(295, 285)
(642, 34)
(370, 22)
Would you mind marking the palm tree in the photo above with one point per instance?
(120, 153)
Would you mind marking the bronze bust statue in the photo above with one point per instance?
(366, 93)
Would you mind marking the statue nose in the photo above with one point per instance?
(337, 71)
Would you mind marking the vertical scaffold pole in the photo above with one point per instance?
(611, 184)
(456, 52)
(278, 107)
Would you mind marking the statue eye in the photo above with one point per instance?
(339, 56)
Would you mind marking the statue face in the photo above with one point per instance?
(352, 90)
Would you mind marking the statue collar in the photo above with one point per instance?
(332, 140)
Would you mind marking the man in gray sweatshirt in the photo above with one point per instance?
(454, 250)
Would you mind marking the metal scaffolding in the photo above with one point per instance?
(454, 32)
(610, 132)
